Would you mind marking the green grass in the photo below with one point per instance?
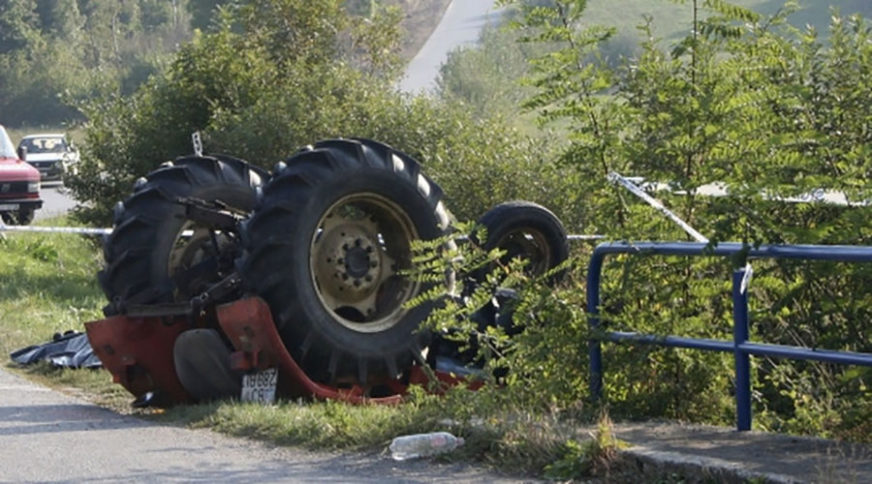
(48, 285)
(511, 441)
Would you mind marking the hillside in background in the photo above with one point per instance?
(672, 20)
(488, 77)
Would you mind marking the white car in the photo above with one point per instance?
(50, 153)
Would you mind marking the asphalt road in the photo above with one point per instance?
(50, 437)
(56, 201)
(461, 25)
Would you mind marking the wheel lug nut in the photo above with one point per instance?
(357, 283)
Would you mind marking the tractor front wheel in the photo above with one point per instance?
(157, 251)
(528, 231)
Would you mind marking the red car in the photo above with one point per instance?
(19, 184)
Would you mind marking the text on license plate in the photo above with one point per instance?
(9, 206)
(260, 386)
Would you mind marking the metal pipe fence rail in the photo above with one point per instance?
(741, 346)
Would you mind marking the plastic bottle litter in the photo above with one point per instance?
(423, 445)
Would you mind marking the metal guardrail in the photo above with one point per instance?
(740, 346)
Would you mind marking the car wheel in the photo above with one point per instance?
(25, 216)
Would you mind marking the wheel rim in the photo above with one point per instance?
(356, 258)
(194, 245)
(530, 245)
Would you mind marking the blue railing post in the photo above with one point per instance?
(594, 345)
(743, 359)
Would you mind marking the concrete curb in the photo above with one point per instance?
(701, 453)
(693, 468)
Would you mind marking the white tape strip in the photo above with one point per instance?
(585, 237)
(635, 190)
(54, 230)
(464, 238)
(89, 231)
(746, 278)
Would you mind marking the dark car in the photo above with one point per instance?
(19, 184)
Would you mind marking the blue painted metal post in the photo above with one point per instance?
(743, 359)
(594, 346)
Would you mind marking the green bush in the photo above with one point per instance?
(771, 112)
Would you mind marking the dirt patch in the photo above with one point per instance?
(421, 18)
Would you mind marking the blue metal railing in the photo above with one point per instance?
(741, 347)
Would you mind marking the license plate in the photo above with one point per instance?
(9, 206)
(260, 387)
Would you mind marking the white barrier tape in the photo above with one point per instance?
(585, 237)
(635, 190)
(464, 238)
(746, 278)
(54, 230)
(88, 231)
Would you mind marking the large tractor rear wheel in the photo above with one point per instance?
(157, 252)
(328, 247)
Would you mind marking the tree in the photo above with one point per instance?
(486, 78)
(59, 18)
(156, 14)
(18, 24)
(203, 12)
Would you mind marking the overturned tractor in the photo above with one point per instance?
(224, 279)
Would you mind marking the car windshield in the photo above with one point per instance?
(44, 145)
(7, 149)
